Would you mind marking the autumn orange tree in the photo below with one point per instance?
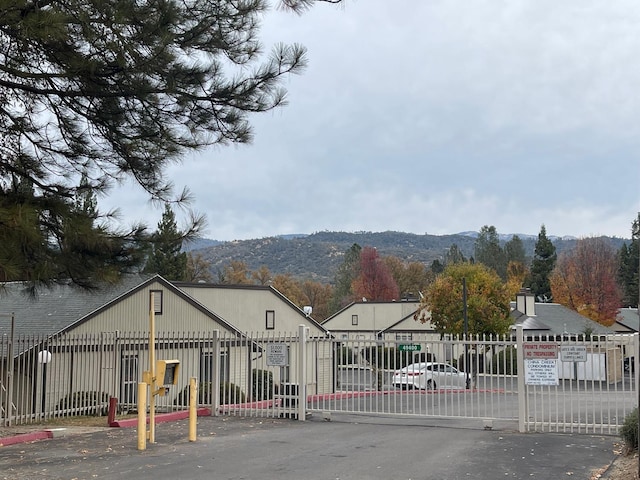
(487, 301)
(235, 272)
(374, 281)
(584, 280)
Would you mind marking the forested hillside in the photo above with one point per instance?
(317, 256)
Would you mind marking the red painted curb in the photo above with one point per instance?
(161, 417)
(24, 438)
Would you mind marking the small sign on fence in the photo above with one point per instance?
(573, 353)
(409, 348)
(547, 351)
(540, 372)
(277, 354)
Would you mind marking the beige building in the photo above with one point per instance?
(365, 320)
(72, 342)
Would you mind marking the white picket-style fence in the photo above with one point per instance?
(570, 384)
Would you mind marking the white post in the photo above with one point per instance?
(215, 375)
(302, 373)
(522, 394)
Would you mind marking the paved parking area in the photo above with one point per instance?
(345, 448)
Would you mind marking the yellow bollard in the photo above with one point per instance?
(142, 416)
(193, 414)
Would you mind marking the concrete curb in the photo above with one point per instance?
(49, 433)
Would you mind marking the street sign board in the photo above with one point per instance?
(573, 353)
(547, 351)
(277, 354)
(409, 348)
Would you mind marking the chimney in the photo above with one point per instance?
(525, 302)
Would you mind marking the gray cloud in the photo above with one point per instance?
(437, 117)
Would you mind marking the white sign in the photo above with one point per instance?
(277, 354)
(573, 353)
(540, 372)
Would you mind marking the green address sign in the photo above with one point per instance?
(409, 348)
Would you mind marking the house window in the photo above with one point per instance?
(407, 337)
(129, 386)
(271, 319)
(208, 365)
(354, 319)
(157, 301)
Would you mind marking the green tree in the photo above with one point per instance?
(487, 301)
(454, 255)
(346, 274)
(411, 277)
(487, 250)
(73, 245)
(167, 258)
(514, 250)
(628, 267)
(544, 261)
(121, 90)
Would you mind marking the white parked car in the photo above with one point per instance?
(429, 376)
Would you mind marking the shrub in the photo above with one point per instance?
(505, 362)
(84, 401)
(229, 393)
(476, 362)
(262, 384)
(629, 430)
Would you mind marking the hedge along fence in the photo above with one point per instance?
(262, 382)
(81, 403)
(229, 394)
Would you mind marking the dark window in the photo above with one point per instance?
(271, 319)
(157, 301)
(354, 319)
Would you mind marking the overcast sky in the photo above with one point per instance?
(435, 116)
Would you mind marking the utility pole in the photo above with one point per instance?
(635, 236)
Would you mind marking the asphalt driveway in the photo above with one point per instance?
(345, 448)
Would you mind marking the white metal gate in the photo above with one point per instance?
(578, 384)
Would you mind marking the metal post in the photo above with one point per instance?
(466, 332)
(193, 414)
(215, 375)
(142, 416)
(635, 235)
(152, 369)
(522, 399)
(302, 373)
(9, 403)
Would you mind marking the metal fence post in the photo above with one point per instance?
(302, 373)
(214, 394)
(522, 397)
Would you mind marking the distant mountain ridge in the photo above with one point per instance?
(317, 256)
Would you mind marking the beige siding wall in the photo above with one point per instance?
(132, 314)
(246, 308)
(371, 316)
